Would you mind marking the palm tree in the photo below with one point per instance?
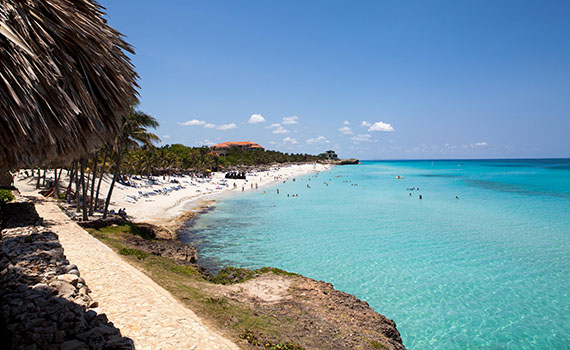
(66, 81)
(133, 136)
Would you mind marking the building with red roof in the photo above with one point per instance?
(221, 148)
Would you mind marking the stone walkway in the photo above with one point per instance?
(141, 309)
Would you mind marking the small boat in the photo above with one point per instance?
(399, 177)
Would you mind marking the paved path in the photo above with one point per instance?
(141, 309)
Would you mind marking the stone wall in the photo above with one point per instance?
(44, 302)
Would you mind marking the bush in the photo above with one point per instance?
(138, 253)
(6, 196)
(231, 275)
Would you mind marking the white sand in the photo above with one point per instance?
(144, 203)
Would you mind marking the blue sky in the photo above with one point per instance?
(373, 80)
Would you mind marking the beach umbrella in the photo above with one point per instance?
(66, 81)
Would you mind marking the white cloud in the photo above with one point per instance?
(319, 139)
(165, 136)
(346, 122)
(291, 120)
(481, 144)
(204, 143)
(256, 118)
(192, 122)
(227, 126)
(381, 126)
(361, 138)
(209, 126)
(288, 139)
(345, 130)
(273, 143)
(274, 125)
(365, 124)
(280, 130)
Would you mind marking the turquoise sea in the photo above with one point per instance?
(490, 270)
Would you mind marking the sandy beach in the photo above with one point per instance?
(169, 202)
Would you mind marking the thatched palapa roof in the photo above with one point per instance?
(65, 81)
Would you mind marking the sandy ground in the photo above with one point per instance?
(167, 203)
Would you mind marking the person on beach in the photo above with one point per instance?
(235, 186)
(256, 185)
(420, 196)
(277, 191)
(242, 188)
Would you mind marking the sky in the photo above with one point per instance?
(371, 80)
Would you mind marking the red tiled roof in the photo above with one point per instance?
(230, 144)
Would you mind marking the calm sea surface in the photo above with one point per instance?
(488, 270)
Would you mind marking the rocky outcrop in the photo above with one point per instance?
(183, 253)
(44, 302)
(348, 161)
(324, 318)
(340, 161)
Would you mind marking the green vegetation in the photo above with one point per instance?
(276, 271)
(231, 275)
(377, 345)
(128, 228)
(175, 158)
(139, 254)
(6, 196)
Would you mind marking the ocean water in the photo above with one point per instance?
(490, 270)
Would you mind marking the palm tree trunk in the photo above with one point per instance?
(39, 179)
(44, 177)
(55, 184)
(84, 188)
(100, 179)
(117, 172)
(71, 178)
(93, 183)
(77, 188)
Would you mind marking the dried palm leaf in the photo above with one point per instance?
(66, 81)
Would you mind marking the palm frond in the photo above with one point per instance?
(66, 81)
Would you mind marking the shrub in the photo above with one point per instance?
(231, 275)
(135, 252)
(6, 196)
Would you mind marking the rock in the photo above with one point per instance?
(64, 289)
(69, 278)
(174, 249)
(74, 345)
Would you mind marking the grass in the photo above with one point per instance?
(196, 291)
(139, 254)
(377, 345)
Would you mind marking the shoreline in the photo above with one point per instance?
(189, 208)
